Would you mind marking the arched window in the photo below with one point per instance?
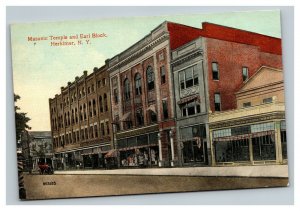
(126, 89)
(138, 84)
(101, 104)
(105, 102)
(150, 78)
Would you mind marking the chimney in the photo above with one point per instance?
(85, 73)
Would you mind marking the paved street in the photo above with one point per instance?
(62, 186)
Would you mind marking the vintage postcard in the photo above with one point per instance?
(173, 103)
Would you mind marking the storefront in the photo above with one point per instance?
(139, 151)
(193, 145)
(250, 144)
(85, 158)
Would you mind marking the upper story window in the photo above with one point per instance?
(138, 84)
(161, 56)
(99, 84)
(247, 104)
(114, 81)
(153, 116)
(245, 73)
(217, 102)
(93, 88)
(150, 78)
(89, 90)
(162, 75)
(188, 77)
(165, 109)
(190, 108)
(268, 100)
(126, 89)
(215, 71)
(139, 118)
(101, 104)
(116, 98)
(103, 81)
(105, 102)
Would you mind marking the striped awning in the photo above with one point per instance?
(152, 108)
(244, 136)
(138, 147)
(125, 116)
(111, 154)
(189, 98)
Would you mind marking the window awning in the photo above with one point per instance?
(125, 116)
(244, 136)
(152, 108)
(189, 98)
(111, 154)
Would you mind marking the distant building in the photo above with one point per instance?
(255, 132)
(36, 148)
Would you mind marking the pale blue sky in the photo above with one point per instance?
(40, 70)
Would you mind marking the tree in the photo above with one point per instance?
(21, 118)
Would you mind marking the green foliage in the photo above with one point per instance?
(21, 119)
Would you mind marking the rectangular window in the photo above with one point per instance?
(165, 109)
(190, 108)
(107, 128)
(116, 95)
(102, 129)
(217, 102)
(162, 74)
(86, 133)
(91, 132)
(245, 73)
(268, 100)
(161, 56)
(96, 131)
(215, 71)
(247, 104)
(188, 77)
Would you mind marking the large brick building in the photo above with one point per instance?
(81, 121)
(207, 73)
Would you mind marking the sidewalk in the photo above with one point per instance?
(237, 171)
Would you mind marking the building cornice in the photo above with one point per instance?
(187, 57)
(142, 49)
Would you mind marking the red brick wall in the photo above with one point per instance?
(231, 57)
(181, 34)
(266, 43)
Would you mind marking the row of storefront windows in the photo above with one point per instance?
(232, 145)
(263, 148)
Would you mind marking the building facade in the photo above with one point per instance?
(140, 93)
(162, 101)
(255, 132)
(207, 72)
(191, 103)
(81, 121)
